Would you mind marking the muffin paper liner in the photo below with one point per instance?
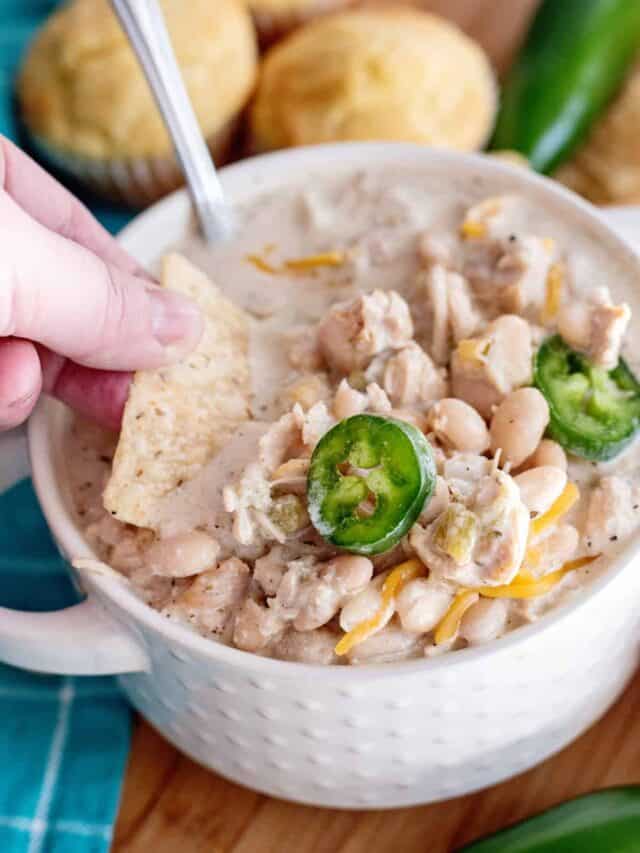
(138, 181)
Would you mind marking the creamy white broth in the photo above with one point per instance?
(376, 220)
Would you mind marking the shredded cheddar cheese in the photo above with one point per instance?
(310, 262)
(523, 586)
(561, 506)
(474, 350)
(394, 582)
(295, 265)
(261, 264)
(473, 230)
(450, 622)
(553, 295)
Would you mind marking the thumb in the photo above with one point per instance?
(56, 292)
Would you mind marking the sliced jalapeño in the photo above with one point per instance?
(369, 479)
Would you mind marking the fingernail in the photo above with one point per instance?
(173, 317)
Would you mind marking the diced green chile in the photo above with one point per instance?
(605, 822)
(594, 413)
(369, 480)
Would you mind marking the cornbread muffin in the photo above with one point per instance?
(87, 105)
(389, 74)
(273, 18)
(606, 169)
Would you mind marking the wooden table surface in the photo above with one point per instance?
(171, 805)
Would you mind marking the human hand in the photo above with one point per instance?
(76, 311)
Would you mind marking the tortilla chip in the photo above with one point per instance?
(177, 417)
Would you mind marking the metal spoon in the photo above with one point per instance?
(144, 24)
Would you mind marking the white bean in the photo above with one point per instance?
(307, 646)
(421, 604)
(349, 573)
(322, 601)
(548, 452)
(484, 621)
(322, 598)
(458, 425)
(364, 605)
(541, 487)
(556, 548)
(518, 424)
(387, 645)
(183, 555)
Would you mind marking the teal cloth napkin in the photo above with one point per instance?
(63, 741)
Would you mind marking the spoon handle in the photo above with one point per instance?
(143, 22)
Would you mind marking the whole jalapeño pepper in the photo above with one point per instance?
(605, 822)
(573, 60)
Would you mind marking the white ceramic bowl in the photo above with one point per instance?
(360, 737)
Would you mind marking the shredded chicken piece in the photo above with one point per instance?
(310, 593)
(411, 378)
(444, 310)
(506, 271)
(613, 513)
(292, 475)
(209, 603)
(437, 248)
(250, 494)
(595, 326)
(280, 442)
(485, 369)
(510, 274)
(353, 332)
(378, 402)
(256, 626)
(303, 351)
(312, 424)
(269, 569)
(480, 538)
(348, 402)
(249, 499)
(464, 318)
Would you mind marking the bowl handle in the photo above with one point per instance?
(79, 640)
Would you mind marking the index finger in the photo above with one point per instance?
(53, 206)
